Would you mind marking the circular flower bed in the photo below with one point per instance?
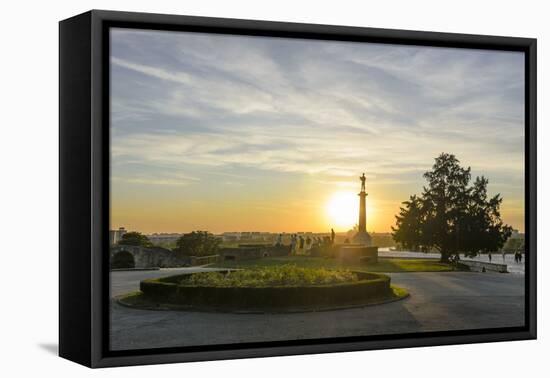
(285, 275)
(268, 289)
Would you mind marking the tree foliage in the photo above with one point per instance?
(197, 243)
(135, 238)
(122, 260)
(451, 215)
(514, 245)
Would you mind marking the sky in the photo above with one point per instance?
(238, 133)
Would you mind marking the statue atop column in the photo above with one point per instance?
(362, 236)
(363, 179)
(361, 251)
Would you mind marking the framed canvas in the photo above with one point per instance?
(234, 188)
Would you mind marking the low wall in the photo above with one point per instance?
(480, 266)
(154, 257)
(133, 269)
(369, 288)
(254, 251)
(356, 254)
(204, 260)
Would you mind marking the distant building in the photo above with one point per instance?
(116, 235)
(164, 238)
(230, 236)
(247, 236)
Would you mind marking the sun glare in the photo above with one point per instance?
(343, 209)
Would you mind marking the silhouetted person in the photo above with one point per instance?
(308, 243)
(332, 236)
(454, 260)
(503, 256)
(292, 243)
(490, 257)
(301, 242)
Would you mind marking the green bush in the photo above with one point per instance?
(122, 260)
(197, 243)
(136, 239)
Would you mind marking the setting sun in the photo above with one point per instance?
(343, 209)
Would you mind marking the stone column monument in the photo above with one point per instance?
(362, 236)
(361, 250)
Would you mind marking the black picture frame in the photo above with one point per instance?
(84, 187)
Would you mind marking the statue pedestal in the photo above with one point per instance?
(363, 238)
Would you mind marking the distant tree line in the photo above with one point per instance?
(136, 239)
(196, 243)
(452, 215)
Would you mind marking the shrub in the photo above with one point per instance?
(122, 260)
(197, 243)
(135, 238)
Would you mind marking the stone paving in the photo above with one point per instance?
(438, 302)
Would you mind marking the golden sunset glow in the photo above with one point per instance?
(343, 209)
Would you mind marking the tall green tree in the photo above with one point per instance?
(484, 231)
(197, 243)
(135, 238)
(407, 231)
(452, 216)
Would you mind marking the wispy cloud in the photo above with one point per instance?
(170, 178)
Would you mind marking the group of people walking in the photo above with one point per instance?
(302, 245)
(517, 257)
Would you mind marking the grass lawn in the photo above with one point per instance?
(385, 265)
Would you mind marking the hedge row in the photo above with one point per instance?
(370, 288)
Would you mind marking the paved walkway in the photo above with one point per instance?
(123, 282)
(439, 301)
